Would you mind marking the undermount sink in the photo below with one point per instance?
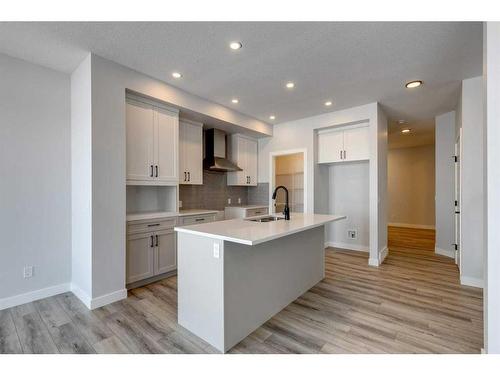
(265, 219)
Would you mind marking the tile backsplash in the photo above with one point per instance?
(214, 193)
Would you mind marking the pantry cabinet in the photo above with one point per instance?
(152, 143)
(190, 152)
(344, 144)
(242, 151)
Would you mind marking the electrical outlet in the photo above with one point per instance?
(216, 250)
(351, 234)
(28, 272)
(239, 200)
(180, 204)
(228, 200)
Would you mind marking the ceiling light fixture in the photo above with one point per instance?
(405, 131)
(290, 85)
(401, 122)
(235, 45)
(413, 84)
(235, 101)
(176, 75)
(328, 103)
(272, 117)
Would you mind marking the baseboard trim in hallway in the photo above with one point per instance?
(34, 295)
(445, 252)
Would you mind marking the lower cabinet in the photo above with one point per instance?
(150, 253)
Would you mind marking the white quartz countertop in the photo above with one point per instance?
(165, 214)
(249, 232)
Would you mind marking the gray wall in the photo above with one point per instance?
(35, 188)
(445, 182)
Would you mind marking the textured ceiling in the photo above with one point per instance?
(348, 63)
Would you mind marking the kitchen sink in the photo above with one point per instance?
(266, 219)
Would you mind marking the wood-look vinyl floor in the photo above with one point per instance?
(413, 303)
(411, 238)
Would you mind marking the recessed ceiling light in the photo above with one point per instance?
(272, 117)
(235, 101)
(405, 130)
(176, 75)
(413, 84)
(290, 85)
(328, 103)
(235, 45)
(401, 122)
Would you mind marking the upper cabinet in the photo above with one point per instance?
(344, 144)
(152, 143)
(190, 152)
(242, 151)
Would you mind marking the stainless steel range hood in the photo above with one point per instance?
(215, 152)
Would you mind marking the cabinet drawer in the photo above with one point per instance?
(150, 225)
(190, 220)
(257, 212)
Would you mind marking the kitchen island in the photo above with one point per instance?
(234, 275)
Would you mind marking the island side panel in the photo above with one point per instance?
(261, 280)
(200, 287)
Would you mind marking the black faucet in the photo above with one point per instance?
(286, 211)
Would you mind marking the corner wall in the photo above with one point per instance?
(35, 187)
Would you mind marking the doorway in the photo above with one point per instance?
(458, 201)
(288, 169)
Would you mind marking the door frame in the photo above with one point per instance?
(458, 198)
(272, 168)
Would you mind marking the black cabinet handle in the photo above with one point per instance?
(151, 175)
(157, 241)
(154, 225)
(189, 176)
(151, 242)
(200, 219)
(340, 154)
(156, 170)
(344, 154)
(185, 176)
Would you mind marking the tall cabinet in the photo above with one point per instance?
(242, 151)
(152, 143)
(190, 152)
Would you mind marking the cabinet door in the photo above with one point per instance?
(251, 161)
(140, 141)
(183, 153)
(140, 257)
(166, 143)
(165, 252)
(193, 138)
(238, 156)
(330, 146)
(357, 144)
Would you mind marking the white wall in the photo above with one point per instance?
(445, 183)
(472, 163)
(349, 194)
(411, 186)
(301, 134)
(491, 38)
(81, 181)
(35, 223)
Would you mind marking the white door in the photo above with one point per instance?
(330, 146)
(140, 141)
(165, 252)
(194, 148)
(183, 153)
(166, 143)
(357, 144)
(251, 161)
(458, 201)
(140, 257)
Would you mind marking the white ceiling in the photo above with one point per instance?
(349, 63)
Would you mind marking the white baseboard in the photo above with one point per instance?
(347, 246)
(416, 226)
(445, 252)
(382, 254)
(94, 303)
(471, 281)
(373, 262)
(35, 295)
(108, 298)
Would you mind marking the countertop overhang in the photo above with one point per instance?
(248, 232)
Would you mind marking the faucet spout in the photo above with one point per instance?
(286, 210)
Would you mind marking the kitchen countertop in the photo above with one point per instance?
(248, 232)
(249, 207)
(166, 214)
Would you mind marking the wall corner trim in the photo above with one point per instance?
(445, 252)
(382, 255)
(373, 262)
(472, 281)
(108, 298)
(34, 295)
(81, 295)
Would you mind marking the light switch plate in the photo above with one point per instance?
(216, 250)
